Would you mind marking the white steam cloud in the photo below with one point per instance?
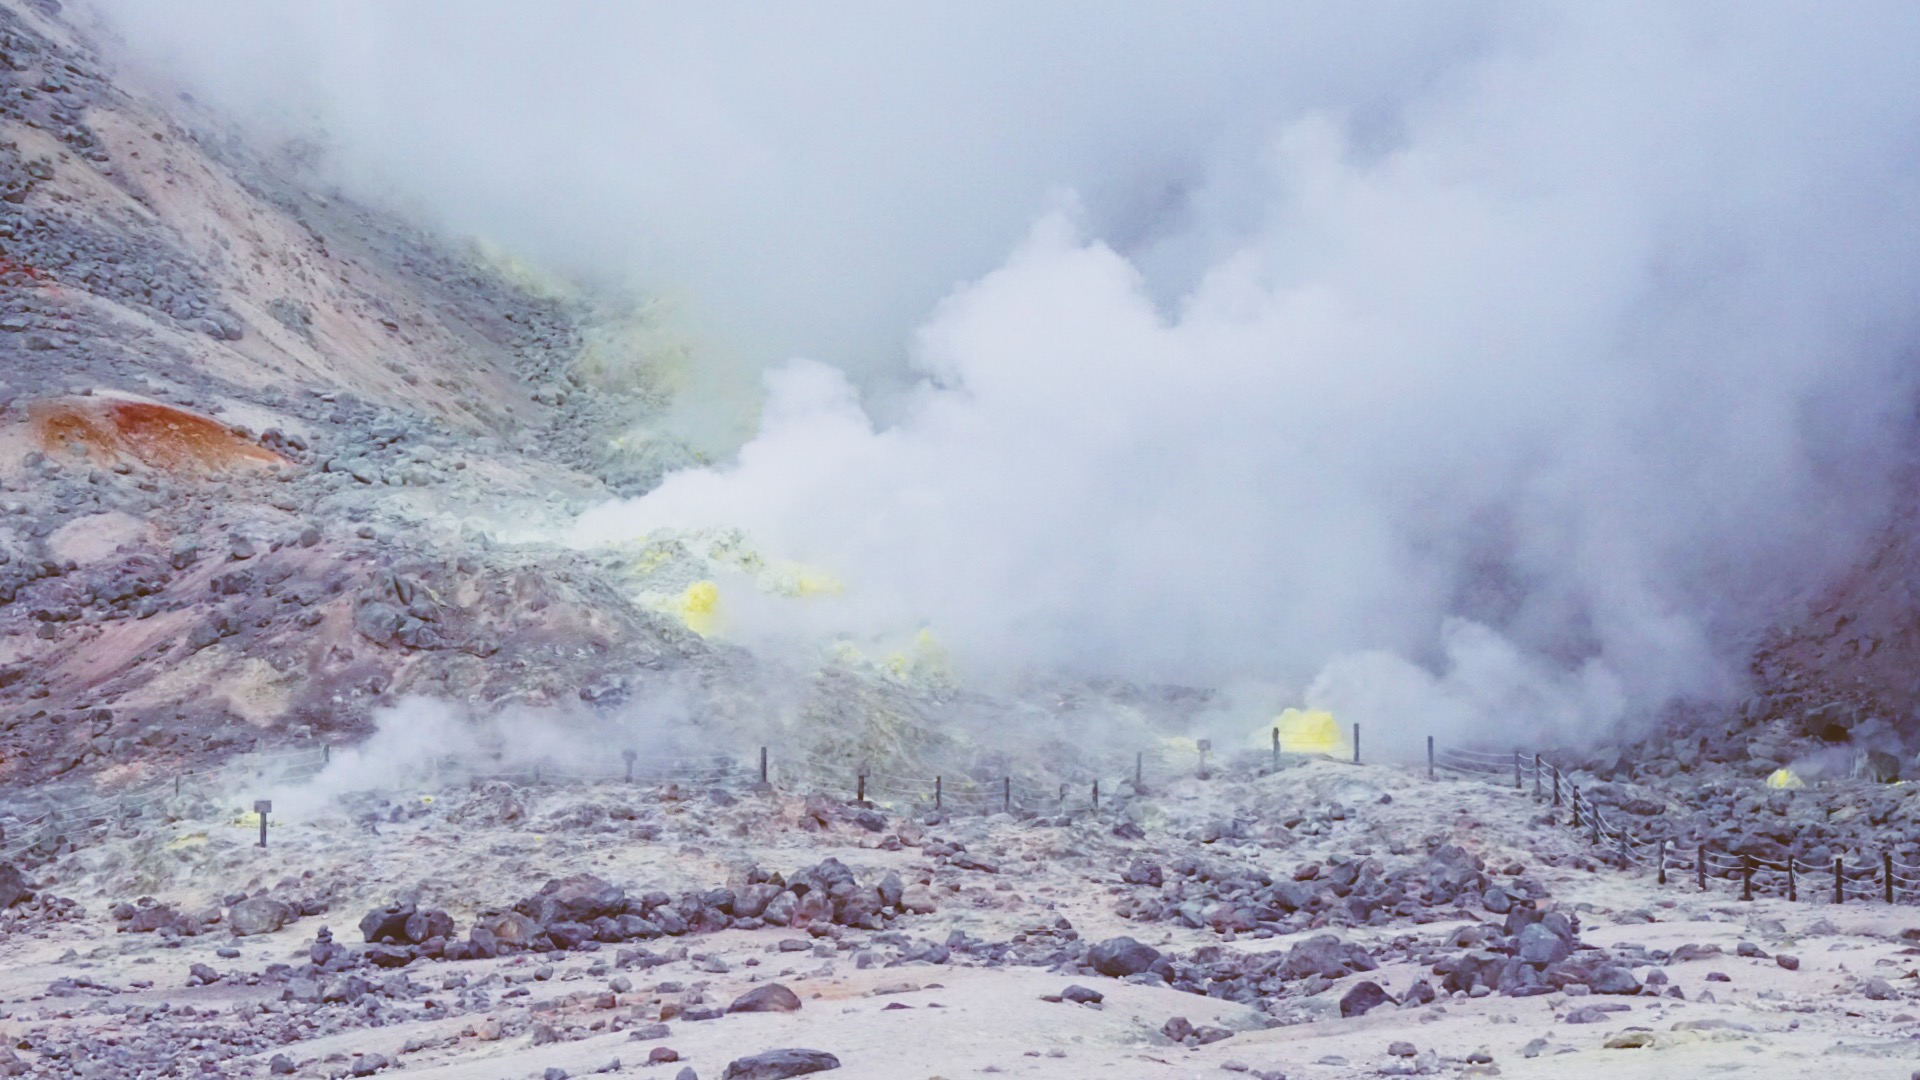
(1469, 363)
(423, 743)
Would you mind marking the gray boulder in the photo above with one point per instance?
(578, 898)
(260, 915)
(780, 1064)
(1326, 956)
(1612, 979)
(1122, 956)
(1364, 996)
(1538, 944)
(13, 886)
(769, 998)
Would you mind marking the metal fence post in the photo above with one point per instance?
(1356, 742)
(1660, 860)
(1793, 884)
(1096, 794)
(1556, 785)
(763, 764)
(1139, 767)
(1006, 794)
(1276, 749)
(1746, 878)
(1576, 806)
(1886, 873)
(1700, 866)
(628, 756)
(1429, 757)
(1839, 882)
(263, 807)
(1536, 776)
(936, 793)
(1516, 770)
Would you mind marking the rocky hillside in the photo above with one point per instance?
(259, 444)
(247, 432)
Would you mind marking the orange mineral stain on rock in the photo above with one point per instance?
(160, 436)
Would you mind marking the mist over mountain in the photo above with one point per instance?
(1506, 363)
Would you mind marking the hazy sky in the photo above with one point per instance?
(1507, 361)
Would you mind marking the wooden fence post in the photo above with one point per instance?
(860, 789)
(1139, 759)
(1556, 785)
(1006, 794)
(1700, 865)
(628, 756)
(1886, 872)
(1536, 776)
(1660, 857)
(1576, 806)
(1276, 749)
(763, 764)
(1746, 878)
(1793, 885)
(1356, 742)
(1429, 757)
(1516, 770)
(936, 793)
(1839, 882)
(1096, 794)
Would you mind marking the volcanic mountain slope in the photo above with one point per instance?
(245, 430)
(256, 442)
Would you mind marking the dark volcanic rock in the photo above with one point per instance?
(13, 886)
(769, 998)
(387, 924)
(1328, 957)
(579, 898)
(1122, 956)
(1613, 979)
(1365, 995)
(260, 915)
(779, 1064)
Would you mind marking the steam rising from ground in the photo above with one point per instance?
(422, 743)
(1511, 365)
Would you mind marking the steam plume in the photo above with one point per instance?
(1512, 365)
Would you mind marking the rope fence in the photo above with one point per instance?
(1654, 851)
(1887, 879)
(80, 823)
(49, 832)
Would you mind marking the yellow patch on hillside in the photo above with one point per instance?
(1307, 731)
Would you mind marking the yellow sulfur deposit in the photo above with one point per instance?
(190, 840)
(1307, 731)
(251, 820)
(925, 661)
(699, 607)
(782, 577)
(1785, 780)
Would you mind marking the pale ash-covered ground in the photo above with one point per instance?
(964, 1017)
